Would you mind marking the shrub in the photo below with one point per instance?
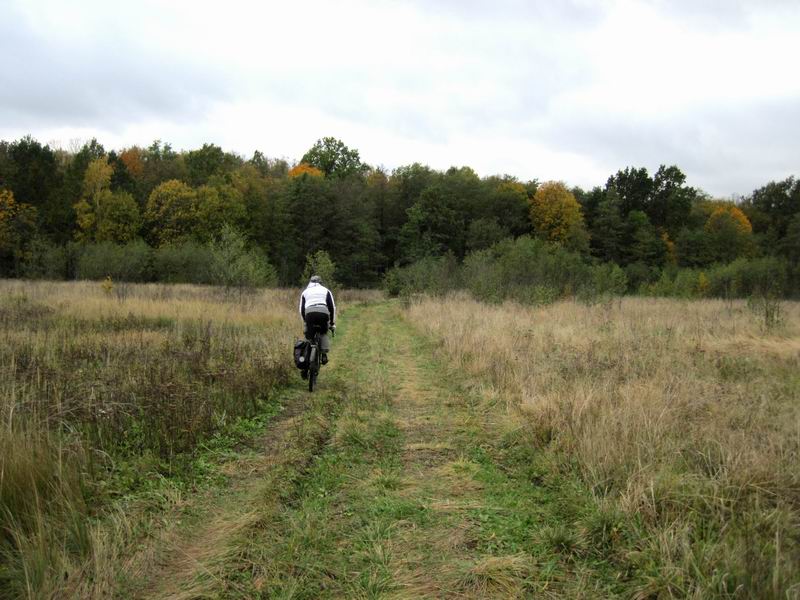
(183, 263)
(609, 279)
(46, 261)
(233, 265)
(525, 269)
(129, 262)
(746, 277)
(482, 276)
(319, 263)
(435, 275)
(639, 275)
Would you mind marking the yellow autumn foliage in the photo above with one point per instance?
(555, 212)
(728, 212)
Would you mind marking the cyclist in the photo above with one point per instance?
(317, 309)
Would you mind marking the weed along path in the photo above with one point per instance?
(391, 481)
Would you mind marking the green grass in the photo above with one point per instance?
(401, 476)
(368, 520)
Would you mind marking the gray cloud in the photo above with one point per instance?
(107, 79)
(602, 85)
(725, 150)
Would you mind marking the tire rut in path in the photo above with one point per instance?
(181, 554)
(437, 424)
(189, 562)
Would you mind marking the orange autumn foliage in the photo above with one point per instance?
(132, 158)
(305, 169)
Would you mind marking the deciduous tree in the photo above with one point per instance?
(730, 233)
(17, 228)
(334, 159)
(171, 212)
(556, 214)
(305, 169)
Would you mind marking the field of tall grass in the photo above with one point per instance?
(105, 389)
(681, 417)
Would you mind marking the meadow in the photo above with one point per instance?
(628, 447)
(106, 389)
(680, 417)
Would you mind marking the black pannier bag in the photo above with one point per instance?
(301, 348)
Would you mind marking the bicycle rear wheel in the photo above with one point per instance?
(312, 379)
(313, 365)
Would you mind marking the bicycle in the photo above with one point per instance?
(314, 357)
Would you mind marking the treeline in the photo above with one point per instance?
(157, 214)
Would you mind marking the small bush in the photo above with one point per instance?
(233, 265)
(482, 276)
(184, 263)
(609, 279)
(319, 263)
(746, 277)
(46, 261)
(435, 275)
(129, 262)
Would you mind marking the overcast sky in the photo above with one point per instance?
(539, 89)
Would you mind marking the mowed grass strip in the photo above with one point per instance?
(405, 501)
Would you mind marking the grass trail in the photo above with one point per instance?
(392, 482)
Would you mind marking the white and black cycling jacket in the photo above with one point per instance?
(317, 294)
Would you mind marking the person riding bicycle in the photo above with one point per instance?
(317, 309)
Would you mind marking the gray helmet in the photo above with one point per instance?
(315, 279)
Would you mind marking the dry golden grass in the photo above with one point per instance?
(685, 413)
(496, 577)
(99, 376)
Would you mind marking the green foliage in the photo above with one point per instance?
(17, 229)
(129, 262)
(217, 207)
(609, 279)
(609, 229)
(775, 206)
(790, 244)
(104, 215)
(319, 263)
(664, 198)
(526, 269)
(746, 277)
(633, 186)
(233, 265)
(640, 274)
(171, 212)
(333, 158)
(507, 204)
(670, 200)
(694, 248)
(189, 262)
(527, 264)
(47, 260)
(742, 278)
(207, 162)
(435, 225)
(369, 220)
(645, 245)
(484, 233)
(433, 274)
